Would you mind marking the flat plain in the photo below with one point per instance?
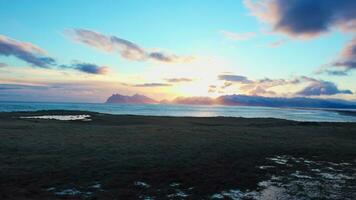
(146, 157)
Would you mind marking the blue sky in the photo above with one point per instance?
(198, 29)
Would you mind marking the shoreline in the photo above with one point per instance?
(289, 113)
(343, 112)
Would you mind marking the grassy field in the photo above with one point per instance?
(139, 157)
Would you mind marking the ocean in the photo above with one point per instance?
(185, 110)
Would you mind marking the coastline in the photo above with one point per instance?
(289, 113)
(346, 112)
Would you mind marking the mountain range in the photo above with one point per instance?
(134, 99)
(238, 100)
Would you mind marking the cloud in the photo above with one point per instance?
(164, 57)
(345, 62)
(53, 91)
(212, 88)
(178, 80)
(226, 85)
(255, 87)
(311, 18)
(333, 72)
(152, 85)
(90, 68)
(277, 43)
(233, 78)
(305, 18)
(128, 49)
(238, 36)
(347, 59)
(283, 102)
(258, 90)
(4, 86)
(318, 88)
(263, 87)
(38, 57)
(25, 51)
(125, 48)
(111, 44)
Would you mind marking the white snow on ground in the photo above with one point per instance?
(96, 185)
(60, 117)
(279, 160)
(174, 184)
(266, 167)
(313, 180)
(298, 179)
(68, 192)
(298, 174)
(217, 196)
(141, 184)
(87, 191)
(50, 189)
(178, 193)
(144, 197)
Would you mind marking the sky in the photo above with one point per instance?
(86, 50)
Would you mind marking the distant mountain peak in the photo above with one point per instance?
(134, 99)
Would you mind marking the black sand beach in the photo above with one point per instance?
(145, 157)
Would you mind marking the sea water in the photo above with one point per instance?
(185, 110)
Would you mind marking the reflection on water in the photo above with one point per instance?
(184, 110)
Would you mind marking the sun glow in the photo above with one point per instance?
(202, 72)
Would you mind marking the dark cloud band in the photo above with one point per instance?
(26, 52)
(305, 18)
(90, 68)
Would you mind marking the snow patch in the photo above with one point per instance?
(313, 179)
(282, 160)
(141, 184)
(68, 192)
(179, 193)
(96, 186)
(174, 184)
(266, 167)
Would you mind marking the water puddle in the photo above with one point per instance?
(60, 117)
